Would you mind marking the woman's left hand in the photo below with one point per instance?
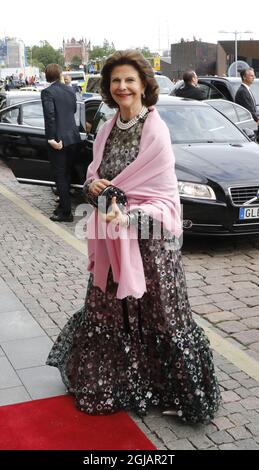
(115, 215)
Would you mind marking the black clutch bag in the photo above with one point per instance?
(104, 199)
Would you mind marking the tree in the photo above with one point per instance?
(146, 52)
(46, 54)
(76, 61)
(102, 51)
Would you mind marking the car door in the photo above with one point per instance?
(23, 144)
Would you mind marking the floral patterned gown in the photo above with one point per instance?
(136, 353)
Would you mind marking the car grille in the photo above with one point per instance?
(239, 196)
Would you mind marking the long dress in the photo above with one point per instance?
(132, 354)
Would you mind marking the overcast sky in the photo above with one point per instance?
(131, 23)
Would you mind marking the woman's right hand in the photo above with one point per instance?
(97, 186)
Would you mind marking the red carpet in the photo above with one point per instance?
(55, 424)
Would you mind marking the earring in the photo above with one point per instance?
(143, 95)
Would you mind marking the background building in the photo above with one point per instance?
(166, 67)
(75, 48)
(12, 53)
(15, 53)
(197, 55)
(248, 51)
(208, 58)
(3, 52)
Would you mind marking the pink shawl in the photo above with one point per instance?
(150, 184)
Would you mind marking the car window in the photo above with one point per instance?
(228, 109)
(21, 97)
(222, 87)
(205, 89)
(199, 124)
(164, 83)
(32, 114)
(11, 116)
(215, 94)
(90, 111)
(243, 114)
(211, 92)
(104, 114)
(77, 75)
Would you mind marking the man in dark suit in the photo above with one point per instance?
(244, 95)
(190, 89)
(59, 107)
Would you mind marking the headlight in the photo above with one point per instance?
(199, 191)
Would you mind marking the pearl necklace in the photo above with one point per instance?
(127, 125)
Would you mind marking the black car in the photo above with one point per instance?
(216, 164)
(221, 87)
(23, 144)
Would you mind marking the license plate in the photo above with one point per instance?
(248, 213)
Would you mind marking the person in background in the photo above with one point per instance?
(67, 80)
(244, 95)
(62, 134)
(135, 344)
(6, 85)
(190, 89)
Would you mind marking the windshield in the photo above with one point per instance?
(75, 75)
(164, 83)
(198, 124)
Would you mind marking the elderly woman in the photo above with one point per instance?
(134, 344)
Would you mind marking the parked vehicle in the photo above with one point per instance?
(221, 87)
(29, 88)
(93, 84)
(23, 144)
(77, 77)
(216, 164)
(8, 98)
(165, 84)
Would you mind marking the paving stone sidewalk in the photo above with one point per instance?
(43, 282)
(222, 274)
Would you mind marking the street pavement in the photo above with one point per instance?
(43, 282)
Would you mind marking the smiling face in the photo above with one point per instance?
(126, 89)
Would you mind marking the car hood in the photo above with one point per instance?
(218, 162)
